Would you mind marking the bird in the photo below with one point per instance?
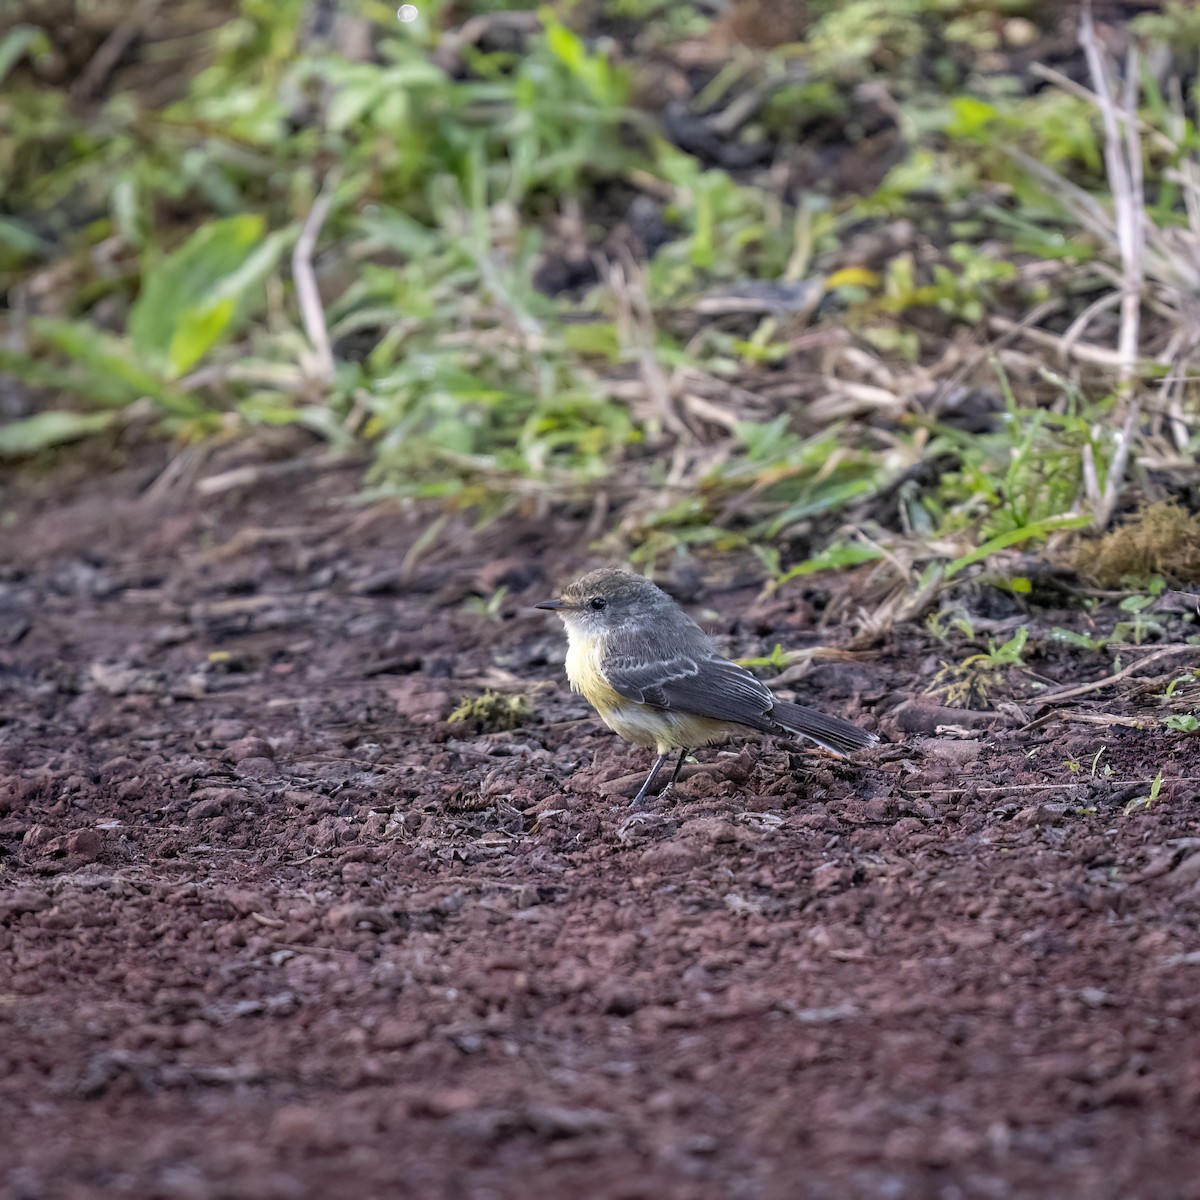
(656, 679)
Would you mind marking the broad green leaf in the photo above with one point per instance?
(47, 429)
(206, 271)
(205, 324)
(198, 330)
(350, 102)
(566, 47)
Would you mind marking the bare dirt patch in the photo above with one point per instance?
(271, 927)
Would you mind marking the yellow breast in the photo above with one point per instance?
(584, 654)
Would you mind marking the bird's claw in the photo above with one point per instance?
(628, 827)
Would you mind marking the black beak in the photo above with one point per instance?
(550, 604)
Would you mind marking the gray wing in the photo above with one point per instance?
(701, 686)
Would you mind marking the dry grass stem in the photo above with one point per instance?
(308, 295)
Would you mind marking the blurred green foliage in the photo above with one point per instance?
(446, 176)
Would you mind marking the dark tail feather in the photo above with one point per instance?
(831, 732)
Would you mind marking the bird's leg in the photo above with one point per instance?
(654, 770)
(683, 753)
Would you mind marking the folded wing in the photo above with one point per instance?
(720, 689)
(703, 687)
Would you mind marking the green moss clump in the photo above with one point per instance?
(1160, 539)
(491, 712)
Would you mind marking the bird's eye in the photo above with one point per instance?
(598, 603)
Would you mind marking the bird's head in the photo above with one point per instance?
(603, 600)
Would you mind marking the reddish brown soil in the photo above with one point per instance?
(271, 928)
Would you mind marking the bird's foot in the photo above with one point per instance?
(639, 824)
(653, 803)
(644, 803)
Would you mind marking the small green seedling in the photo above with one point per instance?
(487, 606)
(778, 658)
(956, 618)
(1182, 722)
(1140, 626)
(967, 684)
(1139, 802)
(1081, 641)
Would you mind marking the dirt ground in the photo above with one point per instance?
(271, 927)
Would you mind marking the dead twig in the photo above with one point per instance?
(177, 474)
(100, 66)
(250, 476)
(635, 331)
(308, 295)
(1087, 352)
(1082, 689)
